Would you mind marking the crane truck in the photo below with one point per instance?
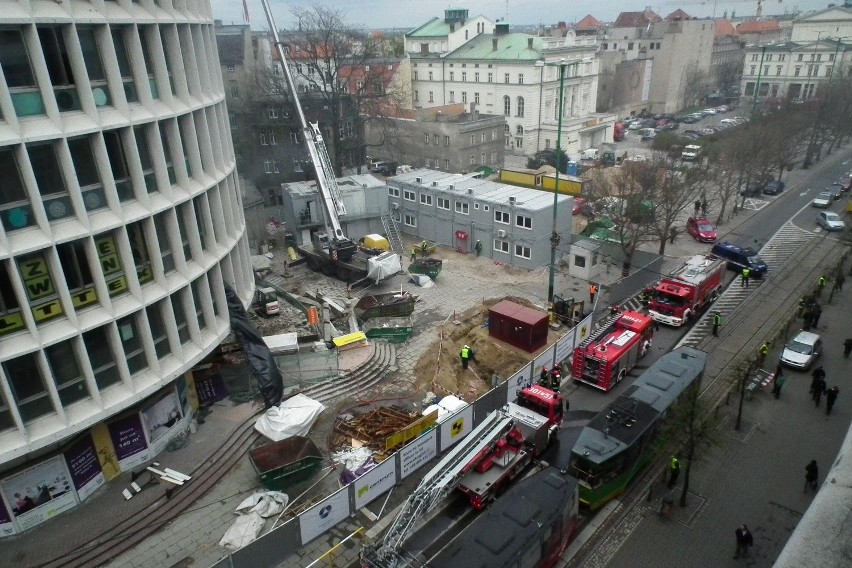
(485, 462)
(331, 251)
(687, 290)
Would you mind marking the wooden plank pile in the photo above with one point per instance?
(372, 428)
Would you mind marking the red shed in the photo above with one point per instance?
(518, 325)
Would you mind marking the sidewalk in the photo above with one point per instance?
(754, 476)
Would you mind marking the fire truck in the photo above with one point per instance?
(605, 357)
(479, 466)
(687, 290)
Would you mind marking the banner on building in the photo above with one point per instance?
(40, 492)
(324, 515)
(128, 439)
(7, 527)
(85, 469)
(161, 418)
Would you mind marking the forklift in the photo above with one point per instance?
(266, 302)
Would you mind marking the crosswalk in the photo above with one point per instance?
(776, 253)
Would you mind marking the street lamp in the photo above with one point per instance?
(554, 236)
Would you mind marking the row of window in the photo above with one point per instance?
(132, 53)
(794, 91)
(489, 77)
(483, 137)
(810, 70)
(461, 207)
(654, 45)
(78, 367)
(783, 56)
(483, 159)
(521, 251)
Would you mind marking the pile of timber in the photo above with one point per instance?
(372, 428)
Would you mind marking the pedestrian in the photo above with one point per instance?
(763, 351)
(847, 347)
(466, 355)
(838, 282)
(413, 254)
(778, 382)
(703, 207)
(803, 302)
(820, 285)
(717, 323)
(811, 476)
(819, 390)
(831, 398)
(817, 311)
(744, 541)
(808, 318)
(593, 290)
(697, 206)
(672, 235)
(478, 248)
(746, 274)
(818, 375)
(674, 471)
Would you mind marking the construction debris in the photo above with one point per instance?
(373, 429)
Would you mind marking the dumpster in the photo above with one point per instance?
(394, 330)
(282, 464)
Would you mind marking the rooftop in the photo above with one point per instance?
(231, 48)
(636, 19)
(511, 46)
(589, 22)
(759, 27)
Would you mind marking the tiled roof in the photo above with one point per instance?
(509, 47)
(230, 49)
(758, 27)
(724, 28)
(636, 19)
(588, 23)
(678, 15)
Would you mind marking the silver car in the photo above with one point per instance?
(823, 200)
(802, 351)
(830, 221)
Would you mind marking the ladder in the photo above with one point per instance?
(392, 231)
(439, 482)
(600, 331)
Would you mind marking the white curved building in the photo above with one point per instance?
(120, 215)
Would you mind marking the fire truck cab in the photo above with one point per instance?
(606, 356)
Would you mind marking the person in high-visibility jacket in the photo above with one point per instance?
(466, 355)
(763, 351)
(820, 285)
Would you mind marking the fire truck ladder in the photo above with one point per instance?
(601, 330)
(439, 482)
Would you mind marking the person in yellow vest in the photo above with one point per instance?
(820, 285)
(466, 355)
(763, 351)
(674, 471)
(746, 274)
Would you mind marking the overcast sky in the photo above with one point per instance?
(408, 14)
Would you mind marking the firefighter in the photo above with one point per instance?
(466, 355)
(555, 378)
(542, 379)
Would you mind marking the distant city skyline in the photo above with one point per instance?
(389, 14)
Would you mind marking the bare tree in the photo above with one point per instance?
(676, 191)
(695, 85)
(727, 74)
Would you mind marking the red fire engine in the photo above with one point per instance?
(606, 356)
(687, 290)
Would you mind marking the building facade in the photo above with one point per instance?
(513, 224)
(461, 60)
(834, 21)
(120, 218)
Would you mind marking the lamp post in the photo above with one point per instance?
(554, 236)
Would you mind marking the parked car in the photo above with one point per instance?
(689, 119)
(844, 182)
(773, 188)
(756, 186)
(823, 200)
(830, 221)
(835, 191)
(708, 111)
(701, 230)
(648, 133)
(635, 125)
(741, 257)
(692, 134)
(802, 351)
(384, 168)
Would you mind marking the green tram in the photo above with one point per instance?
(617, 443)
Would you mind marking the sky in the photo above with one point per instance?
(408, 14)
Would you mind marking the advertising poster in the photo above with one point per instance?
(82, 461)
(456, 427)
(565, 348)
(417, 453)
(159, 418)
(209, 387)
(374, 483)
(6, 526)
(40, 492)
(128, 439)
(516, 382)
(583, 329)
(324, 515)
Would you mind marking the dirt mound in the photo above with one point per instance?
(439, 368)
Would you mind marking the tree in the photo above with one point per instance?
(677, 191)
(695, 86)
(728, 74)
(548, 157)
(692, 427)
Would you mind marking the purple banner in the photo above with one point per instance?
(128, 437)
(210, 388)
(5, 517)
(82, 460)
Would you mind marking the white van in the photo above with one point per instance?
(589, 154)
(690, 153)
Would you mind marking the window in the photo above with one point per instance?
(490, 77)
(472, 159)
(183, 213)
(507, 106)
(230, 68)
(297, 166)
(630, 46)
(410, 220)
(435, 139)
(409, 195)
(766, 69)
(78, 274)
(425, 198)
(482, 158)
(196, 301)
(294, 137)
(464, 76)
(520, 106)
(797, 71)
(415, 74)
(828, 69)
(66, 372)
(98, 348)
(27, 385)
(501, 217)
(782, 57)
(482, 137)
(446, 140)
(444, 203)
(505, 77)
(144, 151)
(800, 57)
(141, 255)
(235, 89)
(267, 166)
(831, 57)
(778, 70)
(51, 183)
(431, 97)
(579, 261)
(272, 113)
(523, 221)
(452, 96)
(158, 329)
(519, 130)
(393, 192)
(464, 96)
(180, 317)
(446, 167)
(416, 96)
(476, 77)
(754, 57)
(753, 70)
(426, 138)
(501, 246)
(275, 167)
(522, 251)
(472, 139)
(430, 75)
(520, 78)
(463, 207)
(263, 138)
(452, 75)
(15, 208)
(493, 157)
(476, 98)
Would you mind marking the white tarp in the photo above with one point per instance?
(446, 407)
(261, 262)
(251, 513)
(421, 280)
(282, 343)
(383, 266)
(293, 417)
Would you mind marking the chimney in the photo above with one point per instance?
(529, 43)
(494, 44)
